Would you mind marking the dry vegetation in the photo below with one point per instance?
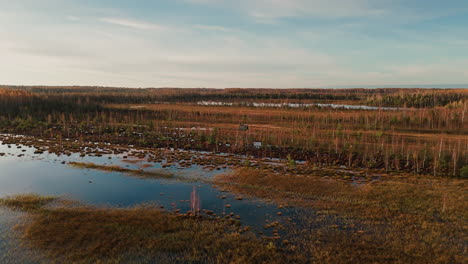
(26, 202)
(430, 138)
(395, 219)
(138, 235)
(423, 141)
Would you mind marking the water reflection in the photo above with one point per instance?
(22, 171)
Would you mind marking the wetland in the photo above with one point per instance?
(122, 179)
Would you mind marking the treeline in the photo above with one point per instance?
(390, 97)
(149, 95)
(21, 103)
(420, 99)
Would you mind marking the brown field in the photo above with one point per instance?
(414, 135)
(407, 219)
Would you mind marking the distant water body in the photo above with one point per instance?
(295, 105)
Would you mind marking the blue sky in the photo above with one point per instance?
(243, 43)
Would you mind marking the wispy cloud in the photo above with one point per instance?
(268, 10)
(136, 24)
(214, 28)
(219, 43)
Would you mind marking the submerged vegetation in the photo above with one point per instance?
(114, 168)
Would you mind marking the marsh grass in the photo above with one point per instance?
(26, 202)
(114, 168)
(142, 234)
(395, 220)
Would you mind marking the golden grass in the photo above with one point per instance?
(396, 220)
(413, 194)
(26, 202)
(142, 235)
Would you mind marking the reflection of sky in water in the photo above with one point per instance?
(45, 174)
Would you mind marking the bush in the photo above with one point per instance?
(464, 172)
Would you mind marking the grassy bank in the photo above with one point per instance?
(394, 220)
(138, 235)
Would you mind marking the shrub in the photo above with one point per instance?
(464, 172)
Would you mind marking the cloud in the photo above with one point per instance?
(100, 56)
(132, 23)
(73, 18)
(390, 11)
(89, 47)
(264, 10)
(91, 55)
(214, 28)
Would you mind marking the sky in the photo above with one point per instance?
(237, 43)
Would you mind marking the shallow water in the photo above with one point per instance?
(22, 171)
